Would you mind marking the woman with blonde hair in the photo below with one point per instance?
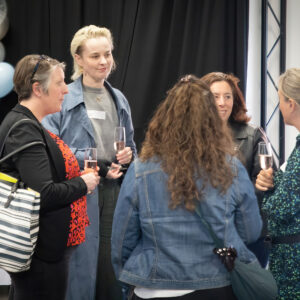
(282, 197)
(90, 113)
(159, 244)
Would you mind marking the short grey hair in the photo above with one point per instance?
(34, 68)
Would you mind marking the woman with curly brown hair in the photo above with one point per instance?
(159, 244)
(232, 110)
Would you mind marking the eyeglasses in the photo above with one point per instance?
(42, 57)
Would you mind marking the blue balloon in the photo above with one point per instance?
(6, 78)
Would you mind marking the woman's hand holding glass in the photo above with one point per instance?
(124, 156)
(91, 180)
(264, 180)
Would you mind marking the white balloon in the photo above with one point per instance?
(3, 19)
(4, 28)
(3, 10)
(2, 52)
(6, 78)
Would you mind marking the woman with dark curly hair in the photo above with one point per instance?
(232, 110)
(159, 244)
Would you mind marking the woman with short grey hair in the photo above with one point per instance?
(50, 169)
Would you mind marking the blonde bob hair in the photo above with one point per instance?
(80, 37)
(289, 84)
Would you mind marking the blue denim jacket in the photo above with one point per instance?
(73, 125)
(156, 247)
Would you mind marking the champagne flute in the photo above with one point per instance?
(265, 155)
(119, 139)
(90, 159)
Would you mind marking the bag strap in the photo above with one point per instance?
(226, 254)
(217, 241)
(22, 147)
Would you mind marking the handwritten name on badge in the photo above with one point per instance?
(96, 114)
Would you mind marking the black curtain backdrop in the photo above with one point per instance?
(156, 42)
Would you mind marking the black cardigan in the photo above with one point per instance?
(42, 169)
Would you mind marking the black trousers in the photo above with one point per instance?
(260, 250)
(43, 281)
(107, 287)
(224, 293)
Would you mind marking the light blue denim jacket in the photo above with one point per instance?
(156, 247)
(74, 127)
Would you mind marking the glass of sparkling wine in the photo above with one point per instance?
(265, 155)
(119, 139)
(90, 159)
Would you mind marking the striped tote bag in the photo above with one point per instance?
(19, 225)
(19, 215)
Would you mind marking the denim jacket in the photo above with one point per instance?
(156, 247)
(73, 125)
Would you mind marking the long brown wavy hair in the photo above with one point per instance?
(239, 110)
(187, 135)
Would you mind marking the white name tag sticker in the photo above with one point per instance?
(96, 114)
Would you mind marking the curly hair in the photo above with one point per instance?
(239, 109)
(187, 135)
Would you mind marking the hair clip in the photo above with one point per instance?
(186, 78)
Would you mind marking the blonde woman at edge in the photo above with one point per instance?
(282, 197)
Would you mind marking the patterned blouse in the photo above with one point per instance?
(282, 206)
(79, 217)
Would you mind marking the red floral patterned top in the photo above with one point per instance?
(79, 217)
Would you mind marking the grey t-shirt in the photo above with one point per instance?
(102, 112)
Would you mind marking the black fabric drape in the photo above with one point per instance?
(156, 41)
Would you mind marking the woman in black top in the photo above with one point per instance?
(52, 171)
(232, 110)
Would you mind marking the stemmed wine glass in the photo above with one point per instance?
(119, 139)
(265, 155)
(90, 159)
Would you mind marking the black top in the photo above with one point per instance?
(43, 170)
(247, 138)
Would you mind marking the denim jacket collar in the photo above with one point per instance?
(76, 94)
